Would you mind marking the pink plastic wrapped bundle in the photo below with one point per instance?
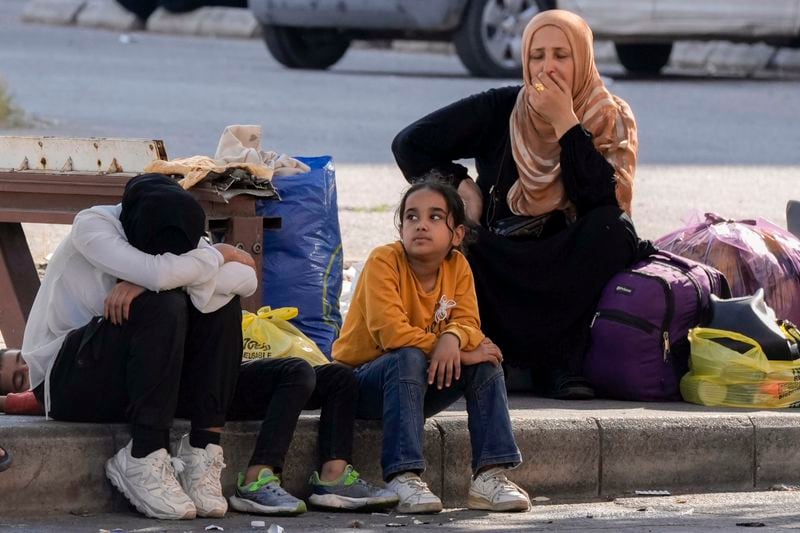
(751, 254)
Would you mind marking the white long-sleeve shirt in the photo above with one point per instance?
(89, 262)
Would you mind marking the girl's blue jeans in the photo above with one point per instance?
(394, 388)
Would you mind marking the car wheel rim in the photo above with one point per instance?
(502, 24)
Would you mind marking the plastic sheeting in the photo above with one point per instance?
(303, 260)
(751, 253)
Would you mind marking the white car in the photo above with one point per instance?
(315, 34)
(643, 30)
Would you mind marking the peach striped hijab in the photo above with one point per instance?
(535, 147)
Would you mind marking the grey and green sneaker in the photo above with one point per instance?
(350, 492)
(265, 496)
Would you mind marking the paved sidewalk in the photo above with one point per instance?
(574, 451)
(715, 57)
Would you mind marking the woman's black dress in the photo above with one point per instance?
(536, 297)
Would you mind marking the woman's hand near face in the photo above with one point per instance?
(473, 199)
(554, 103)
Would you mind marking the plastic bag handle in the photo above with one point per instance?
(281, 313)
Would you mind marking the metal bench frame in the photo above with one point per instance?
(41, 197)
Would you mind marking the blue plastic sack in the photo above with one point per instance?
(302, 264)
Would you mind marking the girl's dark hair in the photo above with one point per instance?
(437, 182)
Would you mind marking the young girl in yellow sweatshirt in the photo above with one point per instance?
(413, 334)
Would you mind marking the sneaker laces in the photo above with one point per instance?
(167, 467)
(417, 483)
(262, 482)
(499, 483)
(213, 464)
(178, 465)
(352, 476)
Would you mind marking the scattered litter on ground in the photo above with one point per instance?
(275, 528)
(214, 527)
(540, 499)
(641, 509)
(395, 524)
(401, 516)
(681, 500)
(418, 522)
(380, 514)
(258, 523)
(81, 512)
(126, 39)
(589, 516)
(652, 493)
(356, 524)
(751, 524)
(782, 487)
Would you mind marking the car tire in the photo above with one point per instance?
(305, 48)
(486, 46)
(643, 58)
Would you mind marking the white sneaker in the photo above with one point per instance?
(492, 491)
(149, 484)
(200, 477)
(415, 496)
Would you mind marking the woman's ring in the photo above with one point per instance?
(539, 87)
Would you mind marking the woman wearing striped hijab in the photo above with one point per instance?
(561, 146)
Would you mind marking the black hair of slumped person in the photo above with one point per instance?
(436, 182)
(159, 216)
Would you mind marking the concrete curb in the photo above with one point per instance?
(57, 12)
(593, 450)
(715, 57)
(108, 16)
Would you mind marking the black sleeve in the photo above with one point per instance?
(457, 131)
(588, 177)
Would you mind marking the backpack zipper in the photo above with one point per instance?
(670, 309)
(624, 318)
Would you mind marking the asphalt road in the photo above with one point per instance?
(707, 144)
(723, 513)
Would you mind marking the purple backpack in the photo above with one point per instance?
(639, 349)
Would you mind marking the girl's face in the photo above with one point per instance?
(551, 53)
(426, 226)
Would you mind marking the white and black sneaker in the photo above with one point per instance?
(149, 484)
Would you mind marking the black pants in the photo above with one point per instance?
(277, 390)
(167, 360)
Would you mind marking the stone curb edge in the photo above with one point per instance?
(59, 466)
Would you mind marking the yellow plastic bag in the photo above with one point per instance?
(269, 334)
(720, 375)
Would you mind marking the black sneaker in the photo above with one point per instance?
(563, 385)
